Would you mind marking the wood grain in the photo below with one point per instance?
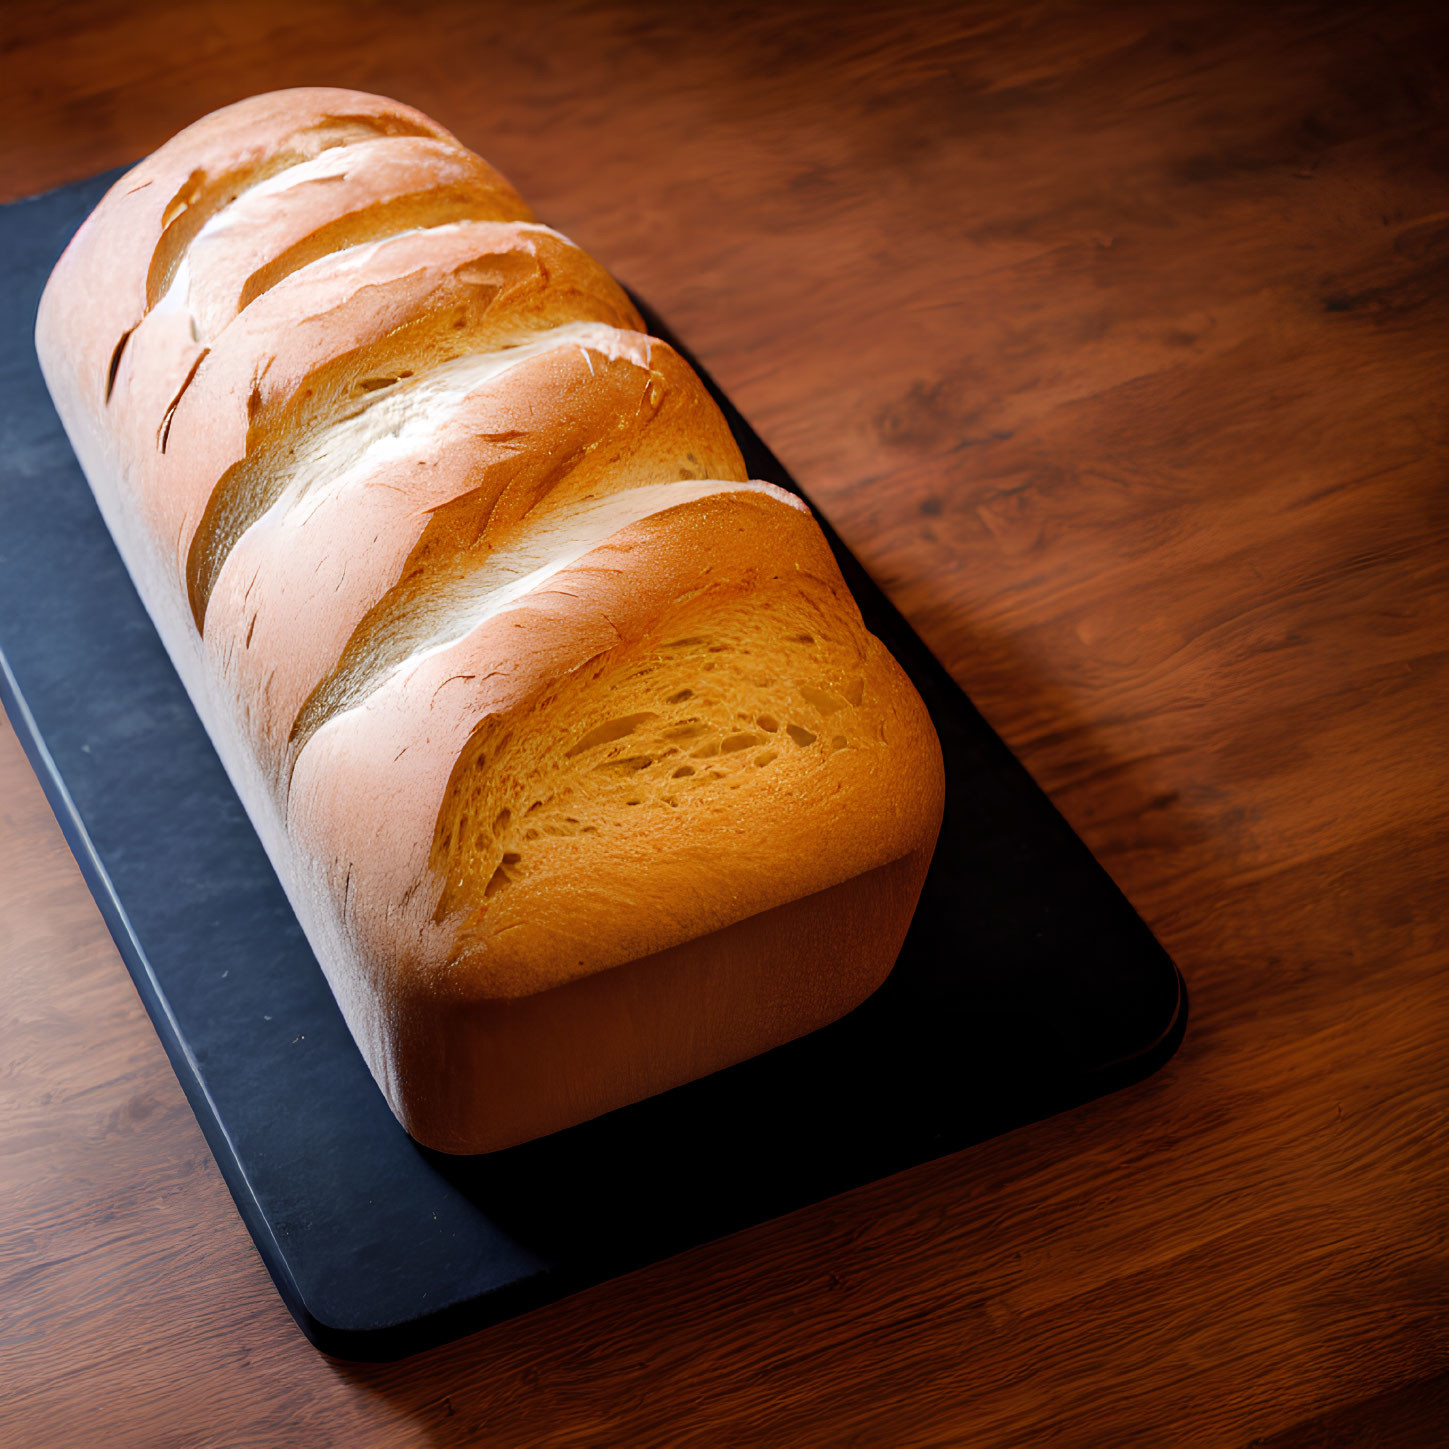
(1114, 338)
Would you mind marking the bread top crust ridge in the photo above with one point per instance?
(520, 674)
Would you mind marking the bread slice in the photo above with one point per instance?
(566, 738)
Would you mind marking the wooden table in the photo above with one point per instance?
(1115, 340)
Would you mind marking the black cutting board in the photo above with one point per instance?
(1027, 984)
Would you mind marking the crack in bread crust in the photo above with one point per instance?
(203, 196)
(727, 704)
(409, 625)
(483, 316)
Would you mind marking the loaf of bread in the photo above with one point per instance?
(565, 738)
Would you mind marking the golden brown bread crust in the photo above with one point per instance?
(480, 1074)
(567, 740)
(365, 794)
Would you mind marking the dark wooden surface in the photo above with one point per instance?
(1115, 339)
